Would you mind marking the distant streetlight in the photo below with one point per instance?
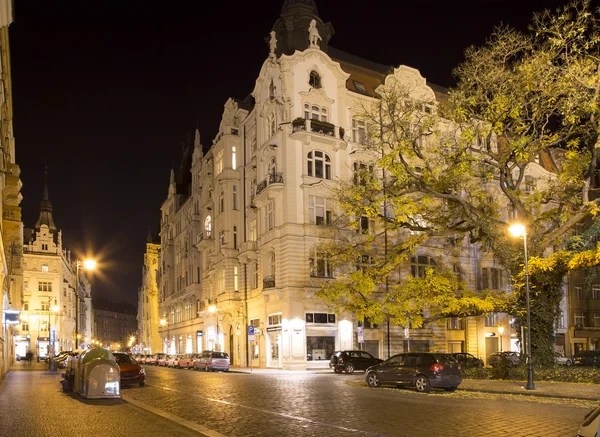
(88, 264)
(500, 331)
(215, 310)
(519, 230)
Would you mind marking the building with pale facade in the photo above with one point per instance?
(11, 254)
(47, 319)
(241, 222)
(148, 340)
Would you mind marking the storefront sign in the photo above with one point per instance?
(274, 328)
(199, 333)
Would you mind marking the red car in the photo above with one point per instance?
(130, 370)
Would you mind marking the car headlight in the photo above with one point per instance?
(142, 371)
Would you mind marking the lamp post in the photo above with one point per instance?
(88, 264)
(519, 230)
(51, 363)
(163, 323)
(500, 331)
(213, 309)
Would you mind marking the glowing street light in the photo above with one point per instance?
(88, 264)
(519, 230)
(215, 310)
(500, 331)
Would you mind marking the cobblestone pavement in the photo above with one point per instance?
(32, 404)
(272, 403)
(327, 404)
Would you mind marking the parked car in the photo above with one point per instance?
(187, 362)
(130, 370)
(349, 361)
(590, 425)
(151, 359)
(422, 370)
(174, 361)
(587, 358)
(564, 361)
(508, 358)
(161, 359)
(212, 360)
(466, 360)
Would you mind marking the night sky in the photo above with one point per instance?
(106, 92)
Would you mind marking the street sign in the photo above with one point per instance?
(360, 334)
(250, 333)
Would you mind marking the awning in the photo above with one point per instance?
(11, 317)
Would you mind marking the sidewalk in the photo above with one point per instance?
(33, 404)
(28, 365)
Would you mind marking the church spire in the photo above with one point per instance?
(149, 237)
(45, 207)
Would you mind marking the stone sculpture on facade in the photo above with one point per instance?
(272, 44)
(313, 35)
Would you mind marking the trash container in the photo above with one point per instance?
(97, 375)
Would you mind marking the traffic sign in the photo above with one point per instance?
(250, 330)
(360, 334)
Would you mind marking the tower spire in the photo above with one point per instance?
(149, 237)
(45, 206)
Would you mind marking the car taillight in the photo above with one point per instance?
(436, 368)
(459, 368)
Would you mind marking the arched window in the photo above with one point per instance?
(314, 79)
(208, 226)
(319, 165)
(419, 264)
(272, 264)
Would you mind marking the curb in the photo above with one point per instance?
(525, 393)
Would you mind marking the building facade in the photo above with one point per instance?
(148, 340)
(49, 300)
(241, 222)
(114, 325)
(11, 253)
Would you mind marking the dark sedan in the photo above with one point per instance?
(467, 360)
(130, 370)
(421, 370)
(349, 361)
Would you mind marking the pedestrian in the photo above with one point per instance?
(29, 356)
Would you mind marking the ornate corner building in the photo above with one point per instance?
(241, 222)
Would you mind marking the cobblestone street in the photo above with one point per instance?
(276, 404)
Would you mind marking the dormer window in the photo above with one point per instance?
(314, 79)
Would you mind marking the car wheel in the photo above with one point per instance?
(336, 370)
(569, 363)
(450, 389)
(142, 384)
(422, 384)
(349, 368)
(373, 380)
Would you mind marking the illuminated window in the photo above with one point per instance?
(208, 227)
(235, 279)
(233, 158)
(44, 268)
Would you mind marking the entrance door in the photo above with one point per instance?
(491, 346)
(372, 347)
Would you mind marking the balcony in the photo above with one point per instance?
(306, 130)
(267, 188)
(204, 240)
(248, 252)
(269, 281)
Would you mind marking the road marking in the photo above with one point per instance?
(172, 417)
(275, 413)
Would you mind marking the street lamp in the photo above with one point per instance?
(500, 331)
(88, 264)
(213, 309)
(518, 230)
(163, 323)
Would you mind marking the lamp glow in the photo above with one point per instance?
(517, 230)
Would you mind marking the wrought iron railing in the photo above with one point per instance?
(272, 178)
(269, 281)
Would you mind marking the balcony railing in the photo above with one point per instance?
(318, 127)
(269, 281)
(206, 235)
(272, 178)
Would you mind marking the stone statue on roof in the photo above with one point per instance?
(272, 44)
(313, 35)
